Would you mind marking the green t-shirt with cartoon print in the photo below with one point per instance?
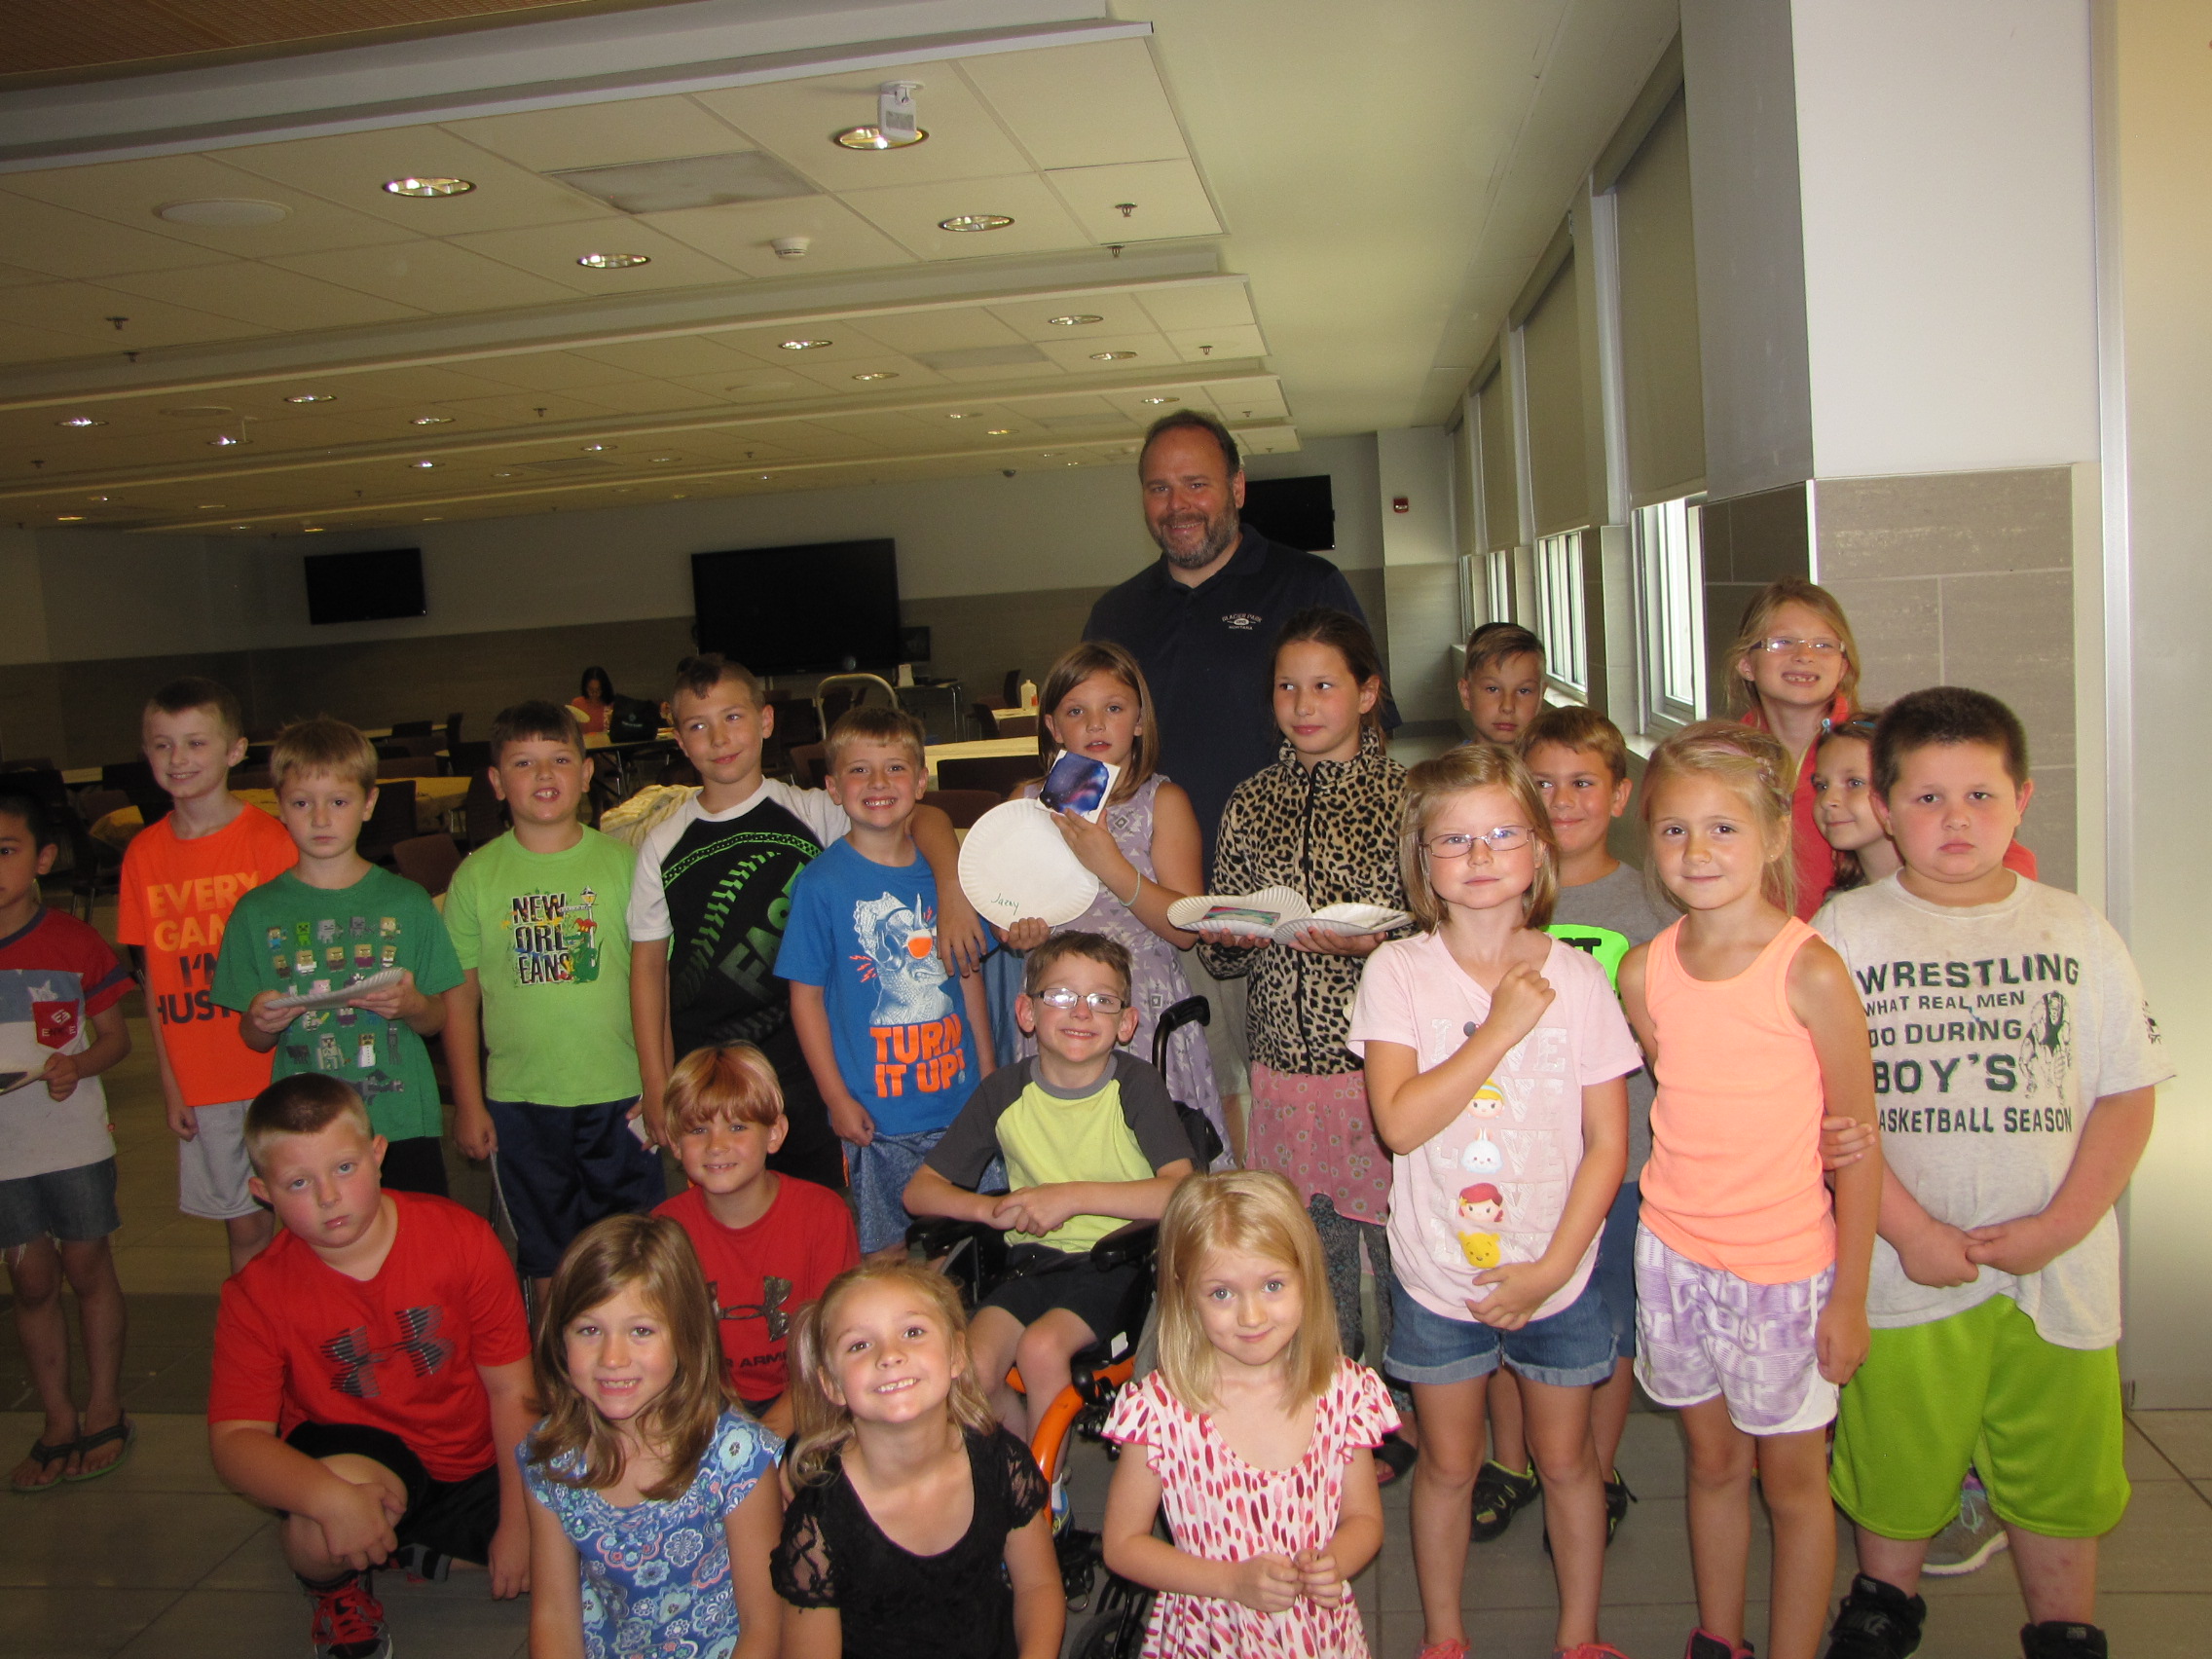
(285, 936)
(546, 935)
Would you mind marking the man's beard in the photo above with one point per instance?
(1220, 534)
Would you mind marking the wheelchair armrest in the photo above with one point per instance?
(1128, 1244)
(931, 1235)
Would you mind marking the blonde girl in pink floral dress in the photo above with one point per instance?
(1255, 1435)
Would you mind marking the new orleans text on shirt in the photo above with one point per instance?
(1993, 1025)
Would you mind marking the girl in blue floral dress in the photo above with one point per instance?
(652, 1523)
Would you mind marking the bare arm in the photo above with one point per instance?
(648, 1024)
(2113, 1137)
(1523, 1287)
(810, 1019)
(111, 1042)
(257, 1465)
(471, 1123)
(1175, 855)
(930, 1194)
(1412, 1106)
(184, 1122)
(1039, 1210)
(960, 937)
(752, 1529)
(1324, 1574)
(513, 1413)
(1826, 1001)
(1040, 1603)
(811, 1633)
(1267, 1583)
(556, 1589)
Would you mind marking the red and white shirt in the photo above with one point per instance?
(54, 975)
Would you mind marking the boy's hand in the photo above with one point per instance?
(1034, 1210)
(509, 1566)
(60, 1076)
(1840, 1342)
(473, 1133)
(648, 1107)
(266, 1020)
(850, 1121)
(1025, 934)
(399, 1000)
(1518, 1290)
(1318, 1579)
(1267, 1583)
(184, 1121)
(357, 1523)
(961, 941)
(2025, 1246)
(1844, 1141)
(1936, 1256)
(1518, 1003)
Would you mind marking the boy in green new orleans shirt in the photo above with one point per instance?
(537, 920)
(330, 920)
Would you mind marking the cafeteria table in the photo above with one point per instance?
(980, 749)
(435, 799)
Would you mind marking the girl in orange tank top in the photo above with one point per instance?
(1752, 1287)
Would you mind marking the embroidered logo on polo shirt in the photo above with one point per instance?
(1243, 621)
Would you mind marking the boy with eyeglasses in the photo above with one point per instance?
(1090, 1140)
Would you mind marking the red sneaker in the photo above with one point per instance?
(348, 1621)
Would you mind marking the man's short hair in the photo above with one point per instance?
(19, 804)
(1579, 727)
(304, 1104)
(1193, 419)
(195, 692)
(1946, 714)
(1092, 948)
(519, 722)
(700, 675)
(1496, 642)
(323, 748)
(872, 722)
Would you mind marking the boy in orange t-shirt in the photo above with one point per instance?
(180, 880)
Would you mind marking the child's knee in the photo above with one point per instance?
(1046, 1346)
(1721, 1465)
(88, 1264)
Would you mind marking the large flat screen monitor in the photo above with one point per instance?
(1298, 512)
(365, 587)
(814, 610)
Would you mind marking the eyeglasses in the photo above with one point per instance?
(1503, 839)
(1063, 999)
(1818, 647)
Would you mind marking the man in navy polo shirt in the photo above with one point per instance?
(1201, 622)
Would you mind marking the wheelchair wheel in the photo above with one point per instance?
(1117, 1630)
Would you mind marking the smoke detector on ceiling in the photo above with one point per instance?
(791, 247)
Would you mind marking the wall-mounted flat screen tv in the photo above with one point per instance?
(820, 608)
(1298, 512)
(365, 587)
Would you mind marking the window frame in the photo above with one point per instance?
(1562, 617)
(1666, 548)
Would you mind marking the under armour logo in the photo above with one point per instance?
(356, 1362)
(775, 1297)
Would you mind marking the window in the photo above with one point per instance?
(1498, 586)
(1560, 611)
(1670, 599)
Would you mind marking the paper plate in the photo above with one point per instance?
(1281, 900)
(1355, 919)
(1015, 864)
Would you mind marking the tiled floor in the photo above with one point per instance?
(160, 1560)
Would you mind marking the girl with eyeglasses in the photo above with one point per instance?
(1497, 1061)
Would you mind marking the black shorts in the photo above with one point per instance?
(563, 1167)
(1051, 1278)
(455, 1517)
(416, 1164)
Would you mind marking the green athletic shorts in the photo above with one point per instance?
(2041, 1422)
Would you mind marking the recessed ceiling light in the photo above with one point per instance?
(503, 475)
(431, 420)
(764, 478)
(999, 433)
(806, 345)
(1110, 357)
(80, 421)
(412, 186)
(1162, 401)
(595, 449)
(876, 138)
(239, 527)
(960, 415)
(98, 500)
(876, 374)
(656, 459)
(208, 507)
(224, 441)
(613, 261)
(422, 465)
(225, 215)
(974, 222)
(311, 398)
(1075, 320)
(1046, 455)
(312, 528)
(69, 518)
(680, 497)
(435, 518)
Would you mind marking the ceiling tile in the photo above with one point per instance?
(1191, 344)
(640, 396)
(739, 235)
(686, 354)
(749, 386)
(42, 237)
(551, 251)
(954, 330)
(913, 212)
(847, 341)
(1256, 400)
(82, 308)
(602, 135)
(1081, 105)
(424, 385)
(252, 292)
(21, 344)
(351, 168)
(907, 376)
(132, 193)
(797, 120)
(1117, 314)
(1167, 199)
(430, 277)
(547, 371)
(1198, 305)
(1046, 370)
(497, 410)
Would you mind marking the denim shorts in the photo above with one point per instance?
(1573, 1349)
(73, 1205)
(877, 1174)
(1614, 1275)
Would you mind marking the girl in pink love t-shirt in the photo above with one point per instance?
(1497, 1065)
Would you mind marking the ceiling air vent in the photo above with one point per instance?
(689, 181)
(981, 357)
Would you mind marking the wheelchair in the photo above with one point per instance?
(976, 1258)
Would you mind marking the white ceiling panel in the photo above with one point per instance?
(647, 397)
(351, 168)
(1150, 352)
(904, 375)
(940, 330)
(41, 236)
(603, 134)
(1237, 341)
(132, 194)
(430, 277)
(913, 214)
(798, 119)
(551, 251)
(1198, 305)
(1117, 314)
(739, 235)
(1165, 200)
(1081, 105)
(265, 295)
(688, 354)
(83, 310)
(19, 344)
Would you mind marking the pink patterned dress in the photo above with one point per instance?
(1220, 1508)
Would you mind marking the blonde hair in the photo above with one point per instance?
(1581, 729)
(1258, 1212)
(1079, 663)
(728, 1079)
(1758, 617)
(1432, 783)
(323, 748)
(1752, 763)
(651, 1254)
(821, 1428)
(872, 722)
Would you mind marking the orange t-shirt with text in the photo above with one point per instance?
(176, 899)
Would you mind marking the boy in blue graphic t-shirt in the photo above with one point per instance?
(894, 1047)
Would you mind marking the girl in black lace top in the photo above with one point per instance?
(915, 1525)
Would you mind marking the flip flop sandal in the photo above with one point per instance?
(46, 1456)
(1393, 1457)
(124, 1430)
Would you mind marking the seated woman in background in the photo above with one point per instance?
(594, 700)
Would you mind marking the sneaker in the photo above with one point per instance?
(348, 1621)
(421, 1563)
(1617, 1499)
(1973, 1536)
(2058, 1639)
(1704, 1644)
(1499, 1495)
(1876, 1621)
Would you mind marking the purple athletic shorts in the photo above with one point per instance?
(1702, 1331)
